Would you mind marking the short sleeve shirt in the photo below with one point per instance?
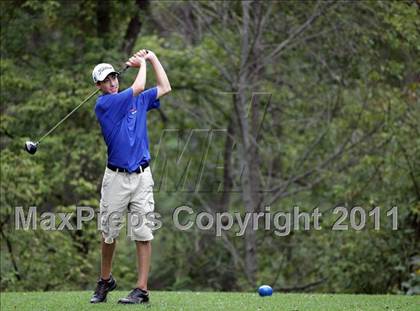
(123, 122)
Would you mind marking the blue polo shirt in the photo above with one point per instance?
(122, 117)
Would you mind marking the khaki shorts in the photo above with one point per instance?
(122, 193)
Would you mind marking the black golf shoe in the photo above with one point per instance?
(102, 289)
(137, 295)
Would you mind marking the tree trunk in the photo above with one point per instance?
(227, 169)
(134, 27)
(103, 19)
(250, 179)
(250, 185)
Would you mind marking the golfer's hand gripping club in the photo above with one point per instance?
(135, 60)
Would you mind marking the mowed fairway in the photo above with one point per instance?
(210, 301)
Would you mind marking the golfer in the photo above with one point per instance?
(127, 185)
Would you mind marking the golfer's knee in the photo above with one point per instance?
(108, 243)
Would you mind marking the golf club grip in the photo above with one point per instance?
(124, 69)
(126, 66)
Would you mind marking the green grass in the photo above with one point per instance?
(209, 301)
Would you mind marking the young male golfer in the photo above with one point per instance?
(127, 184)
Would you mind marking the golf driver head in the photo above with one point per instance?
(31, 147)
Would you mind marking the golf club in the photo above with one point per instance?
(31, 147)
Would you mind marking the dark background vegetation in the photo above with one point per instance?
(319, 103)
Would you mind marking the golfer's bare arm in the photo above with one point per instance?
(163, 85)
(138, 61)
(140, 82)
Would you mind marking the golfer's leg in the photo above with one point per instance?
(114, 201)
(106, 262)
(144, 252)
(141, 204)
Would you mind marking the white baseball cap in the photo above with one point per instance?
(101, 71)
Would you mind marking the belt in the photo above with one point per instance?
(117, 169)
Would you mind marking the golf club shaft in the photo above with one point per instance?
(71, 112)
(68, 115)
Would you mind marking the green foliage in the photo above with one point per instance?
(351, 79)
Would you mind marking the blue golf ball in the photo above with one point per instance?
(265, 290)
